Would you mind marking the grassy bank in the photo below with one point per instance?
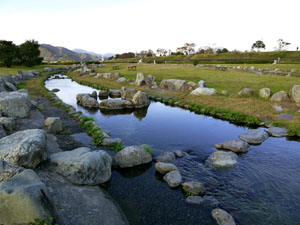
(14, 70)
(230, 80)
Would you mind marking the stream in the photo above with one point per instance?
(264, 187)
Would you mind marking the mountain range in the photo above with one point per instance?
(51, 54)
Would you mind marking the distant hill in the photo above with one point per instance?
(51, 53)
(82, 51)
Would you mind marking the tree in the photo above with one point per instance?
(282, 44)
(8, 52)
(222, 50)
(258, 45)
(30, 53)
(190, 47)
(161, 52)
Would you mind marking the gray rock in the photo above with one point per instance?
(295, 93)
(8, 170)
(246, 92)
(280, 96)
(222, 217)
(2, 132)
(140, 100)
(151, 81)
(115, 104)
(164, 168)
(210, 202)
(179, 153)
(256, 136)
(10, 86)
(26, 198)
(177, 85)
(140, 80)
(111, 141)
(285, 116)
(87, 101)
(94, 95)
(132, 156)
(127, 93)
(103, 94)
(15, 104)
(8, 123)
(195, 200)
(166, 157)
(278, 108)
(224, 92)
(53, 125)
(278, 132)
(202, 84)
(83, 166)
(173, 178)
(194, 187)
(265, 93)
(204, 91)
(221, 159)
(55, 90)
(24, 148)
(47, 69)
(237, 146)
(122, 80)
(114, 93)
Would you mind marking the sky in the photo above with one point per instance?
(117, 26)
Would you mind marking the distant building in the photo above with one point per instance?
(102, 59)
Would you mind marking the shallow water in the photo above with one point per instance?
(264, 188)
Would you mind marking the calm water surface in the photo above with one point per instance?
(264, 188)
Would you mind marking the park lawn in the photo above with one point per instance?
(231, 80)
(269, 66)
(14, 70)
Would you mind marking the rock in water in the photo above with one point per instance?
(221, 159)
(278, 132)
(164, 168)
(25, 197)
(173, 178)
(103, 94)
(256, 136)
(83, 166)
(166, 157)
(53, 124)
(132, 156)
(295, 93)
(115, 104)
(237, 146)
(222, 217)
(140, 100)
(15, 104)
(127, 93)
(194, 187)
(114, 93)
(87, 101)
(24, 148)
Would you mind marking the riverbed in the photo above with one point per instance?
(264, 188)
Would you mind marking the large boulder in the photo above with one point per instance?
(24, 148)
(140, 80)
(246, 92)
(10, 86)
(53, 124)
(256, 136)
(237, 146)
(15, 104)
(278, 132)
(295, 93)
(8, 123)
(177, 85)
(194, 187)
(222, 159)
(132, 156)
(280, 96)
(204, 91)
(164, 168)
(83, 166)
(103, 94)
(114, 93)
(127, 93)
(8, 170)
(140, 100)
(173, 178)
(202, 84)
(150, 81)
(115, 104)
(265, 93)
(23, 199)
(87, 101)
(222, 217)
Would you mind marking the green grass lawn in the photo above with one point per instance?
(231, 80)
(14, 70)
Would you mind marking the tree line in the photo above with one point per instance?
(27, 54)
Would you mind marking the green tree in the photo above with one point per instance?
(30, 53)
(282, 44)
(8, 52)
(258, 45)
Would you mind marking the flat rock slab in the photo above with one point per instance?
(173, 178)
(166, 157)
(285, 116)
(237, 146)
(256, 136)
(221, 159)
(194, 187)
(278, 132)
(164, 168)
(222, 217)
(24, 148)
(115, 104)
(83, 166)
(207, 201)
